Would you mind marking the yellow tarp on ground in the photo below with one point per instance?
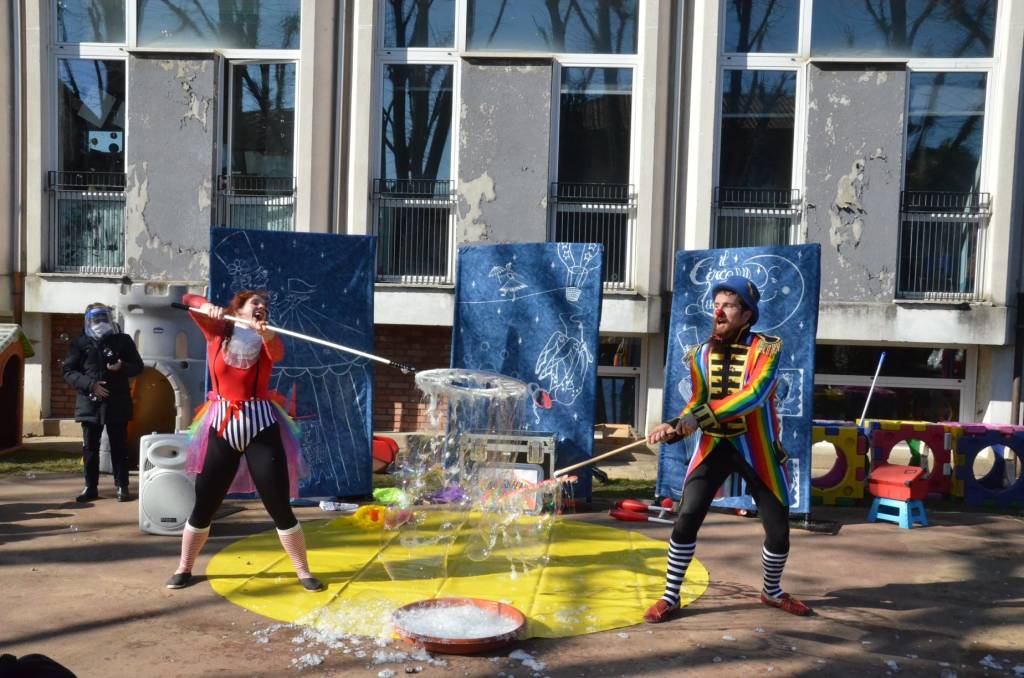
(596, 578)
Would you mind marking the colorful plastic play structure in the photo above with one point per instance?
(865, 456)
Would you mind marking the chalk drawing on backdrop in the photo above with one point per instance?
(789, 396)
(764, 270)
(325, 373)
(577, 270)
(564, 361)
(508, 279)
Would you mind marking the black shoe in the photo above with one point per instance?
(123, 494)
(87, 495)
(179, 580)
(312, 584)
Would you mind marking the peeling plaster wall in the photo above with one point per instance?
(172, 135)
(855, 128)
(504, 137)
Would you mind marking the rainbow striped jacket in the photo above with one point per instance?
(747, 416)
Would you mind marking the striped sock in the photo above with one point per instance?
(192, 541)
(679, 557)
(294, 543)
(773, 564)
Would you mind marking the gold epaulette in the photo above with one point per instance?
(769, 345)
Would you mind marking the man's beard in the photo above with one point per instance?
(729, 337)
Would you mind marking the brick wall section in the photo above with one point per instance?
(397, 405)
(63, 330)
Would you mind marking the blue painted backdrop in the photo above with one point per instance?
(788, 278)
(532, 311)
(320, 285)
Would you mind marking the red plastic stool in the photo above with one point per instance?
(900, 488)
(384, 452)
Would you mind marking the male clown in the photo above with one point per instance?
(733, 404)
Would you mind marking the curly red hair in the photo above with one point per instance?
(238, 301)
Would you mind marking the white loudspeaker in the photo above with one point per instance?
(166, 493)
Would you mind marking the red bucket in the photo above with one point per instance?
(422, 623)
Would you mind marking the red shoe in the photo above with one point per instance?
(659, 612)
(787, 603)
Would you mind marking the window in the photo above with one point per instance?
(945, 120)
(754, 204)
(413, 193)
(907, 28)
(416, 118)
(420, 44)
(90, 21)
(266, 24)
(618, 380)
(756, 149)
(559, 26)
(915, 384)
(593, 200)
(87, 180)
(943, 215)
(761, 26)
(257, 186)
(419, 24)
(90, 115)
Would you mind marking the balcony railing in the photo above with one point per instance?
(414, 230)
(256, 203)
(754, 217)
(601, 213)
(942, 245)
(87, 213)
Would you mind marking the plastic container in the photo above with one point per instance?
(474, 645)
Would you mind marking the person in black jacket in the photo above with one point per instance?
(99, 364)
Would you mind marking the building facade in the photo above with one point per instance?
(887, 131)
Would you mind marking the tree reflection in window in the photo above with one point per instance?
(761, 25)
(594, 125)
(263, 119)
(91, 21)
(419, 23)
(944, 131)
(757, 129)
(561, 26)
(90, 115)
(416, 122)
(238, 24)
(903, 28)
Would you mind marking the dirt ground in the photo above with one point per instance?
(83, 585)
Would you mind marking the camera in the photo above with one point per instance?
(109, 355)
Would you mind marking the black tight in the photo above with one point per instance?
(699, 492)
(267, 466)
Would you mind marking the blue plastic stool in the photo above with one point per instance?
(903, 513)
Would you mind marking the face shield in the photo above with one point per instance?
(99, 322)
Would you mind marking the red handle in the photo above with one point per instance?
(620, 514)
(631, 505)
(667, 503)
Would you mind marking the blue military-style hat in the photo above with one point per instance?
(742, 288)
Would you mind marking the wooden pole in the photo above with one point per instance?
(625, 448)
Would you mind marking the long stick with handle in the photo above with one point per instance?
(867, 401)
(305, 337)
(625, 448)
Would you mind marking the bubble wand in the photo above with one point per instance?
(406, 369)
